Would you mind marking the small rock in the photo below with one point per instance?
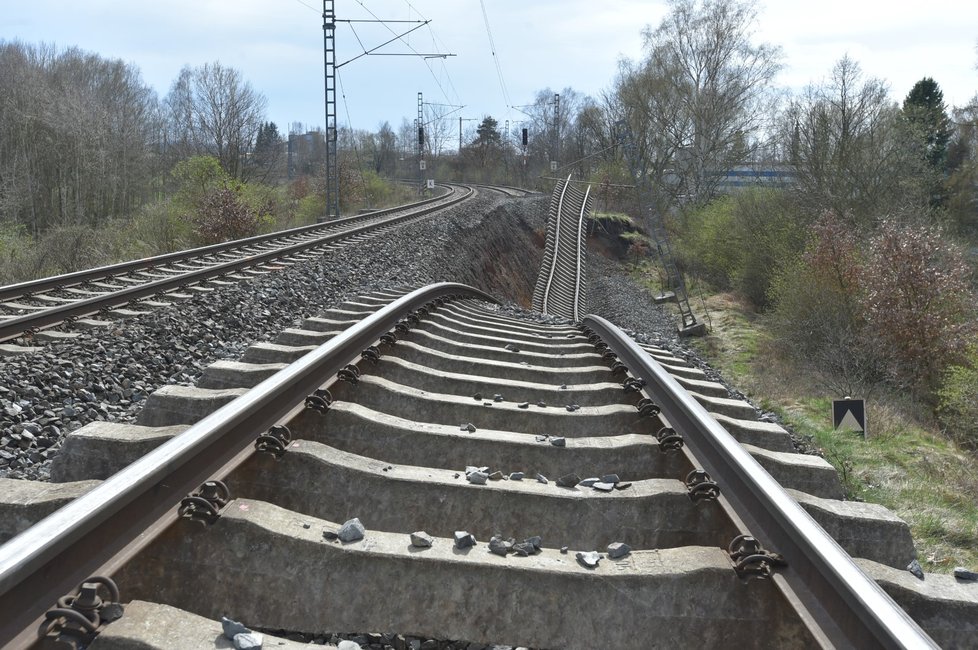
(496, 476)
(568, 480)
(524, 549)
(232, 628)
(348, 645)
(542, 404)
(610, 478)
(564, 549)
(914, 568)
(517, 476)
(477, 478)
(588, 482)
(604, 487)
(500, 546)
(351, 531)
(467, 426)
(618, 549)
(422, 539)
(497, 398)
(248, 641)
(330, 535)
(464, 539)
(477, 397)
(536, 540)
(541, 438)
(589, 559)
(558, 442)
(622, 486)
(563, 387)
(523, 405)
(572, 407)
(962, 573)
(512, 348)
(542, 479)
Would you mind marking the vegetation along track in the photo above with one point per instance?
(121, 290)
(500, 466)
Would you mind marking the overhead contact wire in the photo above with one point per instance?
(495, 57)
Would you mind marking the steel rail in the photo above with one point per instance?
(851, 609)
(553, 261)
(14, 327)
(507, 189)
(580, 253)
(51, 558)
(79, 277)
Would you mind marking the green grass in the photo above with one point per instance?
(613, 217)
(904, 464)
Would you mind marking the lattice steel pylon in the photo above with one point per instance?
(421, 162)
(332, 166)
(674, 279)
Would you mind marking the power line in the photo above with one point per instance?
(495, 58)
(356, 149)
(411, 47)
(308, 5)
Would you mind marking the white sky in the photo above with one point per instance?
(277, 45)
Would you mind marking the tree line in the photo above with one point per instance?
(83, 140)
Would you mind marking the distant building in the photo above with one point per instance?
(759, 175)
(307, 153)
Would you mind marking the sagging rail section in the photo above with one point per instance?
(364, 423)
(561, 285)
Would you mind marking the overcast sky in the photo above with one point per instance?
(278, 46)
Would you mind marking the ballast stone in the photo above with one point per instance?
(618, 550)
(351, 531)
(477, 478)
(248, 641)
(421, 539)
(962, 573)
(589, 559)
(464, 539)
(232, 628)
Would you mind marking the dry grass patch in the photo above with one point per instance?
(904, 464)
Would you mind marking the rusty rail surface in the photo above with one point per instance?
(14, 327)
(845, 606)
(97, 532)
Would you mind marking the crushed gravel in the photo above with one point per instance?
(106, 373)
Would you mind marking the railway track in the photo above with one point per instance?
(561, 287)
(127, 289)
(499, 467)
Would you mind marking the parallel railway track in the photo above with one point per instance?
(420, 412)
(30, 307)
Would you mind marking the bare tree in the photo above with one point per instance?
(214, 111)
(846, 146)
(385, 151)
(76, 137)
(697, 102)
